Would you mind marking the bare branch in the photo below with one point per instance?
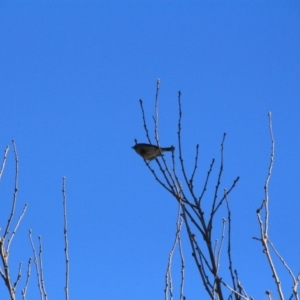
(6, 274)
(234, 291)
(169, 286)
(221, 244)
(180, 151)
(41, 268)
(195, 167)
(4, 252)
(15, 191)
(227, 193)
(156, 112)
(295, 281)
(206, 181)
(264, 226)
(2, 275)
(4, 161)
(213, 209)
(24, 291)
(36, 266)
(229, 244)
(198, 260)
(18, 278)
(16, 227)
(207, 260)
(144, 121)
(266, 187)
(66, 237)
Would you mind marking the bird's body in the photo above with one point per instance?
(149, 152)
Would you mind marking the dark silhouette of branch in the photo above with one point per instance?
(15, 191)
(144, 121)
(213, 211)
(195, 168)
(233, 278)
(18, 278)
(66, 250)
(156, 113)
(180, 150)
(206, 181)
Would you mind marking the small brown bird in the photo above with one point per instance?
(149, 152)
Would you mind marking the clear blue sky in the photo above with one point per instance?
(71, 75)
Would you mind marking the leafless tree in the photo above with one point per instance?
(6, 239)
(202, 223)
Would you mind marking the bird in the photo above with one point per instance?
(149, 151)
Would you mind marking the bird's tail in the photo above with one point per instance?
(172, 148)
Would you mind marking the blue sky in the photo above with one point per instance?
(71, 76)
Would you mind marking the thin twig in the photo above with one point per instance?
(144, 121)
(215, 249)
(221, 244)
(18, 278)
(242, 289)
(218, 255)
(6, 275)
(228, 192)
(172, 188)
(156, 112)
(266, 187)
(282, 260)
(264, 226)
(16, 227)
(15, 191)
(41, 268)
(229, 243)
(66, 237)
(2, 275)
(4, 161)
(4, 251)
(175, 183)
(24, 291)
(206, 181)
(180, 150)
(36, 265)
(169, 285)
(213, 211)
(182, 264)
(196, 249)
(234, 291)
(269, 294)
(295, 281)
(195, 167)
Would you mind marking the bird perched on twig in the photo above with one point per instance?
(149, 152)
